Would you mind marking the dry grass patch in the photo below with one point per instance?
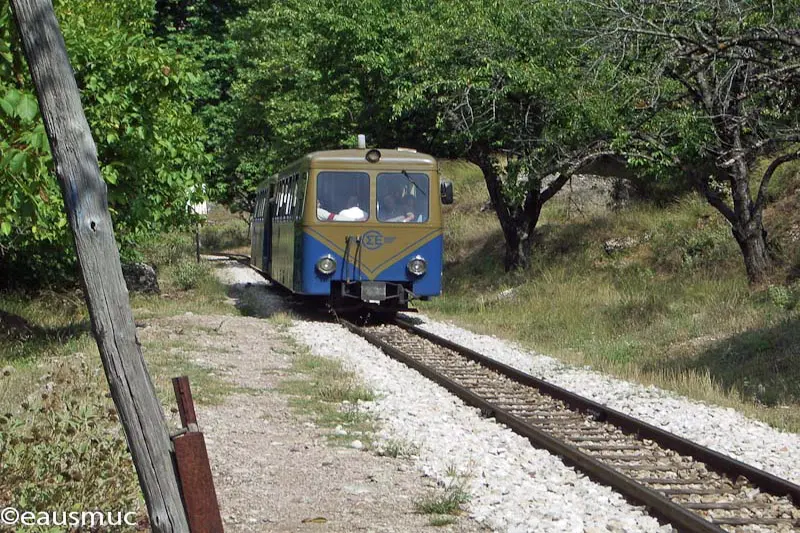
(447, 501)
(61, 444)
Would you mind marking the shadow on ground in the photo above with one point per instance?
(258, 297)
(19, 335)
(762, 365)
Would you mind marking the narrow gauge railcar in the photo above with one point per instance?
(360, 227)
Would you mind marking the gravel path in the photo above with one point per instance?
(273, 467)
(513, 486)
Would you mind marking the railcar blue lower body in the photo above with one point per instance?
(371, 272)
(394, 270)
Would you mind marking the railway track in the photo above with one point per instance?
(690, 486)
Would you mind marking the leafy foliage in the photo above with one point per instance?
(188, 275)
(201, 30)
(136, 94)
(508, 86)
(310, 76)
(179, 90)
(505, 78)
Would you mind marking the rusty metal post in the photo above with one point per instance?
(194, 469)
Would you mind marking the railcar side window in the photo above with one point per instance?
(257, 210)
(262, 201)
(278, 201)
(284, 198)
(343, 196)
(300, 195)
(403, 197)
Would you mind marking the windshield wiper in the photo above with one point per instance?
(411, 181)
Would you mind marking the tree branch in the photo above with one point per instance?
(762, 189)
(713, 198)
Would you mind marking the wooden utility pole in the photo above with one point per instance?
(86, 203)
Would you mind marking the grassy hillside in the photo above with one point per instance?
(658, 295)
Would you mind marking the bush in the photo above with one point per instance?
(38, 265)
(189, 275)
(779, 296)
(678, 249)
(167, 249)
(230, 234)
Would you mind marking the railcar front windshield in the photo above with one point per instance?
(343, 196)
(403, 197)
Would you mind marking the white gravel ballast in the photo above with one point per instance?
(722, 429)
(513, 486)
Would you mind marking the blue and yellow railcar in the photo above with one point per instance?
(360, 227)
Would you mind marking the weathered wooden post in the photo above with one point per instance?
(85, 199)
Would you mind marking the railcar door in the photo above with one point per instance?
(267, 242)
(257, 231)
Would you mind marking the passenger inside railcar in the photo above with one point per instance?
(402, 197)
(343, 196)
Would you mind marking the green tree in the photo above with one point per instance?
(136, 93)
(310, 76)
(201, 30)
(508, 84)
(717, 91)
(493, 82)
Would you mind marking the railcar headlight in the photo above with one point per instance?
(326, 265)
(417, 266)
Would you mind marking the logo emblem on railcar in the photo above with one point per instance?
(373, 239)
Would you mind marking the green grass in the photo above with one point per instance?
(673, 309)
(396, 448)
(282, 319)
(168, 359)
(323, 389)
(446, 500)
(61, 445)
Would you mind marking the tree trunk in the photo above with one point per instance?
(517, 222)
(748, 229)
(746, 222)
(515, 256)
(85, 200)
(752, 241)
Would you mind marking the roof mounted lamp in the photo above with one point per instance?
(374, 155)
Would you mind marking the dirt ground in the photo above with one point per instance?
(274, 468)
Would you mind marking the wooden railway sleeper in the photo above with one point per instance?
(671, 481)
(696, 492)
(735, 505)
(610, 447)
(754, 522)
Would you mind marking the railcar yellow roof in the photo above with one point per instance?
(357, 157)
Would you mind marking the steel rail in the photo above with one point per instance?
(721, 463)
(658, 504)
(239, 258)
